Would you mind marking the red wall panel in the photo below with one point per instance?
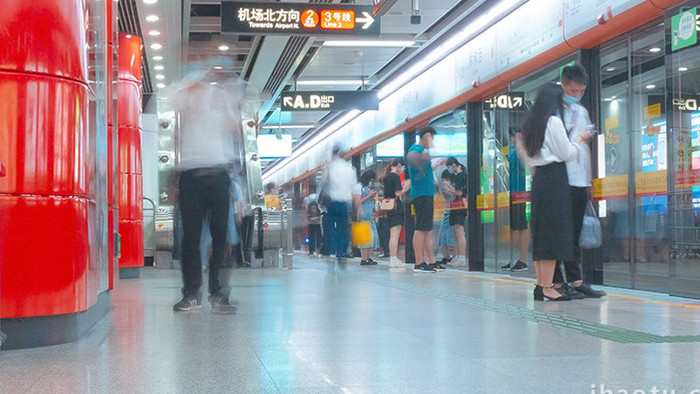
(43, 135)
(129, 103)
(48, 265)
(44, 36)
(129, 125)
(130, 49)
(132, 251)
(130, 196)
(45, 255)
(130, 151)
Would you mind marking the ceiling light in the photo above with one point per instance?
(157, 58)
(152, 18)
(156, 46)
(213, 83)
(150, 1)
(330, 82)
(158, 67)
(654, 49)
(218, 67)
(681, 69)
(288, 126)
(223, 47)
(650, 86)
(487, 19)
(160, 85)
(368, 43)
(160, 76)
(154, 33)
(313, 141)
(610, 69)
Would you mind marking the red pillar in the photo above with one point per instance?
(130, 173)
(45, 196)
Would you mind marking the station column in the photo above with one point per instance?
(47, 271)
(129, 147)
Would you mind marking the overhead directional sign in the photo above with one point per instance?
(512, 100)
(298, 19)
(330, 101)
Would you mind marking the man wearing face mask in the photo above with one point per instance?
(576, 119)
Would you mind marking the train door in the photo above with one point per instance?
(632, 162)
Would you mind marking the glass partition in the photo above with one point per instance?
(632, 163)
(684, 170)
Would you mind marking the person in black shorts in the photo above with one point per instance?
(458, 210)
(422, 194)
(518, 218)
(394, 189)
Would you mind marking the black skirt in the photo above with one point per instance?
(552, 216)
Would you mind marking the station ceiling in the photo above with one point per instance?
(189, 32)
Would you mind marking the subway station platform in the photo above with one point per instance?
(323, 328)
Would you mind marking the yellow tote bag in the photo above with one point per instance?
(361, 233)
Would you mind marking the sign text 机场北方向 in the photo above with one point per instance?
(298, 19)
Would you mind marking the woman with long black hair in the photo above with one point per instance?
(394, 189)
(458, 210)
(545, 147)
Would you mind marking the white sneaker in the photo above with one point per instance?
(394, 262)
(459, 261)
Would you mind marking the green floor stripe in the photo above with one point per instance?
(585, 327)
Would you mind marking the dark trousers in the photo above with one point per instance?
(203, 192)
(315, 235)
(326, 233)
(339, 236)
(384, 234)
(579, 198)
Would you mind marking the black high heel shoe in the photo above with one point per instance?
(538, 294)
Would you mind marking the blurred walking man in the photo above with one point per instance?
(210, 124)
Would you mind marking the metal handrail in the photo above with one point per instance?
(153, 204)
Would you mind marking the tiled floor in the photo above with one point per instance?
(323, 329)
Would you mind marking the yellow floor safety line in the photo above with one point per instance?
(526, 282)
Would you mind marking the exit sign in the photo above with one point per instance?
(366, 100)
(299, 19)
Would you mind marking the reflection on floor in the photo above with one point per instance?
(324, 328)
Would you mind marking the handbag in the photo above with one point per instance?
(458, 203)
(387, 204)
(361, 233)
(591, 233)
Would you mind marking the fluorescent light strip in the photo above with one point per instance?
(368, 43)
(488, 19)
(289, 126)
(496, 13)
(330, 82)
(322, 135)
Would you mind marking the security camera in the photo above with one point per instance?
(415, 12)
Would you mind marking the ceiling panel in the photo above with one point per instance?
(257, 58)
